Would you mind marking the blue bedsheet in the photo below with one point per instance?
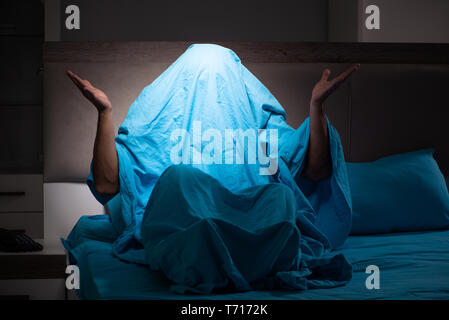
(412, 266)
(232, 217)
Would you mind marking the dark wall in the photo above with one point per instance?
(198, 20)
(250, 20)
(21, 40)
(409, 21)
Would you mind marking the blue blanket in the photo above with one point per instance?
(236, 215)
(412, 265)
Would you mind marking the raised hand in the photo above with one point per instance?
(318, 165)
(324, 87)
(98, 98)
(105, 158)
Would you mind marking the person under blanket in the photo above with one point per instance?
(203, 213)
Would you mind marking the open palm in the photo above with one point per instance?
(99, 99)
(324, 87)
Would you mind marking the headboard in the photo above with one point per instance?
(397, 101)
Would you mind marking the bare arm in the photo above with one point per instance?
(105, 159)
(318, 164)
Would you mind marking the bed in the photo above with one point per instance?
(413, 265)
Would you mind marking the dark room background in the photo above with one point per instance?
(22, 37)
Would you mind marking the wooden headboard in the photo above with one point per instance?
(396, 102)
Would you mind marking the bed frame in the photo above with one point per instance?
(397, 102)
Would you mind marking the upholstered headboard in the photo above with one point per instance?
(394, 103)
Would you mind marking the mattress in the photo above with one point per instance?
(411, 266)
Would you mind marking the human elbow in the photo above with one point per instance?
(317, 174)
(111, 187)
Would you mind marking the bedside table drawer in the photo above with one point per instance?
(21, 193)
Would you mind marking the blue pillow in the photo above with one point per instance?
(404, 192)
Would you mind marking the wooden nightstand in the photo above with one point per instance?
(34, 275)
